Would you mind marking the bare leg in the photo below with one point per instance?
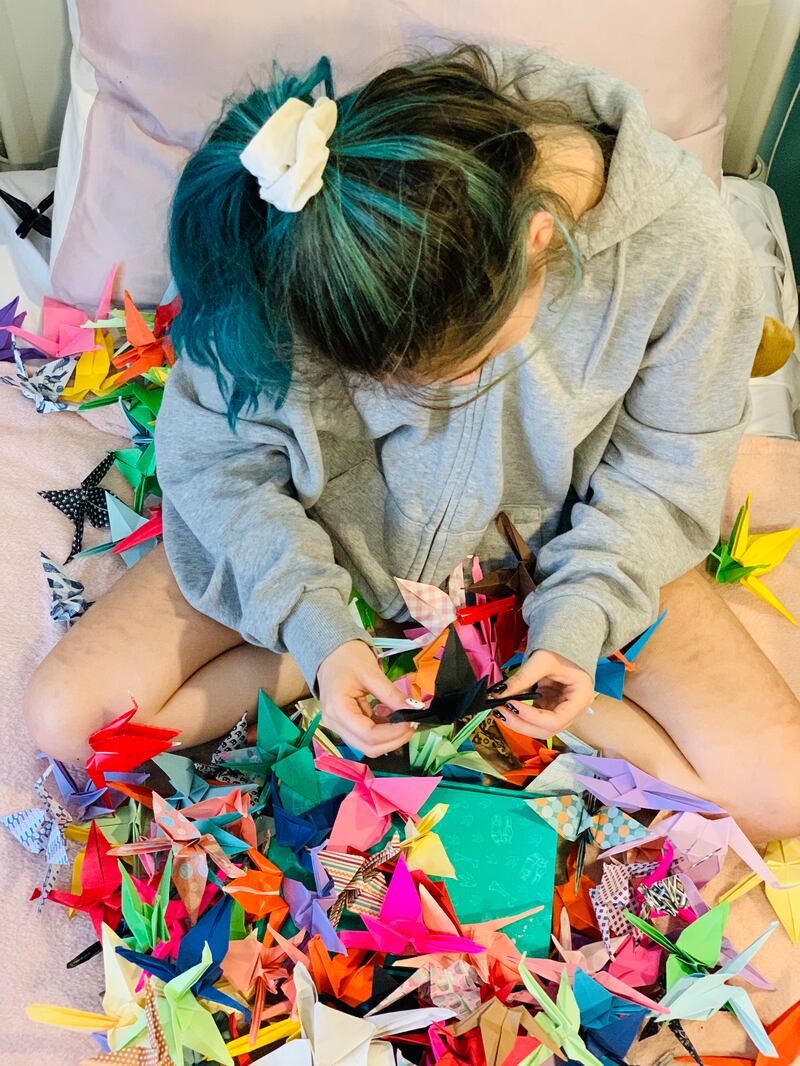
(143, 640)
(708, 712)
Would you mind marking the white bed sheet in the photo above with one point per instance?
(24, 271)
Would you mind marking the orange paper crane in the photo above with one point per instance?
(147, 350)
(784, 1033)
(258, 891)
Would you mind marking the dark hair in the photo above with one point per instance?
(418, 233)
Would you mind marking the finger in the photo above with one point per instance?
(553, 719)
(365, 734)
(519, 726)
(530, 673)
(378, 684)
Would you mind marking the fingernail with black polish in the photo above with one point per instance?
(495, 690)
(512, 708)
(500, 715)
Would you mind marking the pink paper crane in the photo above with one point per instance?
(63, 332)
(702, 844)
(401, 927)
(365, 813)
(191, 851)
(235, 801)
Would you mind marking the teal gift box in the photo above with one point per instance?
(504, 856)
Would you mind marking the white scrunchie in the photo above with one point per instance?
(289, 152)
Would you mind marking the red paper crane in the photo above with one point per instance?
(148, 349)
(101, 885)
(120, 747)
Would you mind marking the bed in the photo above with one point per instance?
(58, 450)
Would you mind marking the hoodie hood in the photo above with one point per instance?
(648, 173)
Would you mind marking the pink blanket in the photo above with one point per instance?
(56, 451)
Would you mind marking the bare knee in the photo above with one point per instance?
(58, 719)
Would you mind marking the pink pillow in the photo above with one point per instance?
(149, 78)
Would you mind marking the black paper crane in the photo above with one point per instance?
(88, 500)
(457, 692)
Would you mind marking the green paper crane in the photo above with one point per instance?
(431, 749)
(138, 467)
(185, 1022)
(697, 949)
(559, 1022)
(280, 749)
(147, 922)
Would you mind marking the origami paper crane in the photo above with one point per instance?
(257, 891)
(698, 995)
(500, 1029)
(149, 531)
(191, 851)
(400, 925)
(138, 467)
(534, 755)
(609, 678)
(44, 385)
(746, 557)
(427, 604)
(782, 858)
(454, 986)
(124, 521)
(123, 1019)
(121, 746)
(232, 741)
(613, 895)
(309, 911)
(40, 830)
(343, 868)
(571, 818)
(588, 960)
(155, 1054)
(431, 750)
(92, 370)
(190, 787)
(365, 813)
(619, 782)
(80, 800)
(423, 848)
(697, 948)
(280, 749)
(101, 884)
(784, 1033)
(303, 830)
(147, 921)
(332, 1038)
(345, 976)
(9, 317)
(64, 332)
(206, 942)
(638, 965)
(559, 1022)
(67, 595)
(185, 1022)
(608, 1024)
(147, 350)
(252, 965)
(86, 501)
(702, 844)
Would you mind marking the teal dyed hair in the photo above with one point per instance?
(413, 251)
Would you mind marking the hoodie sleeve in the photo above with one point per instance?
(654, 502)
(240, 544)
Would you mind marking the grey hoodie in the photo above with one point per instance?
(610, 447)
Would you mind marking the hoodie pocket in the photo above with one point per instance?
(493, 549)
(372, 539)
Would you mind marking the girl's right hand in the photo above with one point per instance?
(345, 678)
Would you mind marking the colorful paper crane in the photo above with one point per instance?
(747, 557)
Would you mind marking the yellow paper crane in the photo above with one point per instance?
(783, 858)
(746, 557)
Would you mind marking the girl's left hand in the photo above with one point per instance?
(565, 691)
